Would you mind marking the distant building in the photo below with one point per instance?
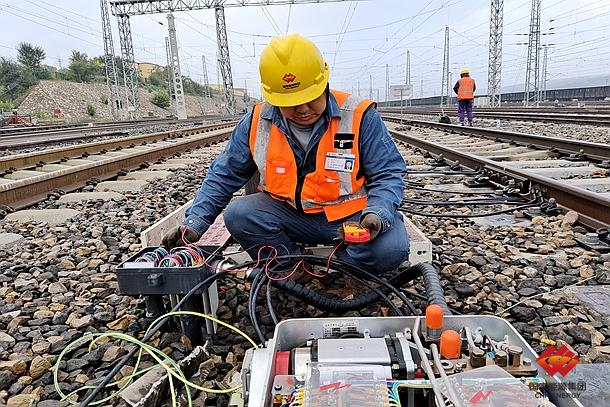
(237, 92)
(145, 69)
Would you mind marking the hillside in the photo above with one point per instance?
(72, 98)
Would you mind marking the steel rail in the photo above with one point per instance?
(602, 109)
(22, 193)
(594, 208)
(593, 151)
(27, 160)
(567, 118)
(9, 130)
(41, 137)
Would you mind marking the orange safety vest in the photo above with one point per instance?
(466, 88)
(337, 193)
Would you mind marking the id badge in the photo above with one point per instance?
(340, 162)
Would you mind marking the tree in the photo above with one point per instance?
(15, 79)
(160, 98)
(29, 55)
(81, 68)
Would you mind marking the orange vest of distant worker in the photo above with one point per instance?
(336, 193)
(466, 89)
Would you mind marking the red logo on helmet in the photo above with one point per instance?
(288, 78)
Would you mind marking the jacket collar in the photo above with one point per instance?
(273, 112)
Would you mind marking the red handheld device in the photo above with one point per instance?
(354, 233)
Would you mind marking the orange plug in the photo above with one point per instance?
(434, 317)
(451, 344)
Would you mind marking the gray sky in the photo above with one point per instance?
(357, 39)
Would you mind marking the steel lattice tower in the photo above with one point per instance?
(206, 82)
(170, 75)
(544, 74)
(532, 73)
(114, 93)
(445, 95)
(224, 60)
(124, 8)
(494, 70)
(176, 73)
(387, 82)
(408, 69)
(130, 76)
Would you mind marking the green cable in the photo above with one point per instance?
(172, 370)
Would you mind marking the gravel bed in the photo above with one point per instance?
(60, 284)
(145, 129)
(593, 134)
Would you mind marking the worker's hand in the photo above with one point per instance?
(370, 221)
(373, 223)
(179, 236)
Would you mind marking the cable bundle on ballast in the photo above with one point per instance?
(268, 269)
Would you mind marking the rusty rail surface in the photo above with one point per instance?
(21, 161)
(11, 139)
(21, 193)
(593, 207)
(565, 118)
(592, 151)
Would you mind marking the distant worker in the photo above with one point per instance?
(464, 88)
(323, 157)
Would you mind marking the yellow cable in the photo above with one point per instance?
(159, 356)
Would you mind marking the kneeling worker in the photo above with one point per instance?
(324, 157)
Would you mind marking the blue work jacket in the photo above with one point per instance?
(381, 163)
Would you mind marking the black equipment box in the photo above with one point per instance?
(140, 278)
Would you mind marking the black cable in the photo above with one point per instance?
(420, 187)
(270, 304)
(377, 291)
(471, 215)
(477, 202)
(153, 330)
(325, 303)
(407, 303)
(252, 306)
(259, 280)
(457, 172)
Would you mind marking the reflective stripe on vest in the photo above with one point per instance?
(466, 88)
(337, 193)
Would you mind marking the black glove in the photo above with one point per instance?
(373, 223)
(370, 221)
(179, 236)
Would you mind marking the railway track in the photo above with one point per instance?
(485, 269)
(555, 167)
(16, 130)
(29, 178)
(29, 137)
(568, 117)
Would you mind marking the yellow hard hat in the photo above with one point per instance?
(463, 71)
(292, 71)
